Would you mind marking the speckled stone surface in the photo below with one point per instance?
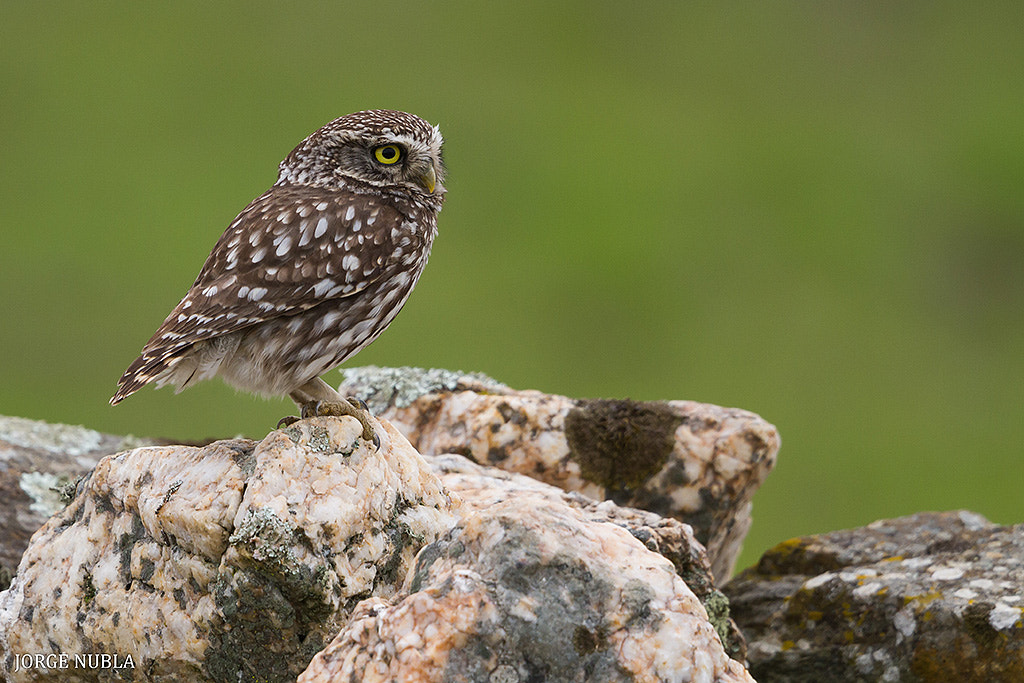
(236, 561)
(698, 463)
(930, 597)
(36, 460)
(528, 587)
(480, 487)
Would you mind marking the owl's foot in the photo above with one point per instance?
(352, 407)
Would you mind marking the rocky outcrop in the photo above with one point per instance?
(309, 555)
(243, 560)
(930, 597)
(697, 463)
(236, 560)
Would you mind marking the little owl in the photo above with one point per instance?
(312, 270)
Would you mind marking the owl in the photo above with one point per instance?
(312, 271)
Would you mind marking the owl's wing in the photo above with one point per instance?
(292, 248)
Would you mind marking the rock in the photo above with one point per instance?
(697, 463)
(929, 597)
(38, 460)
(243, 559)
(236, 560)
(479, 488)
(534, 584)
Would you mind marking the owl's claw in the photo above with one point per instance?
(287, 421)
(352, 407)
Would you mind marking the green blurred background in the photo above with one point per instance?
(809, 210)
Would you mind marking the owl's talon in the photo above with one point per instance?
(311, 409)
(287, 421)
(351, 407)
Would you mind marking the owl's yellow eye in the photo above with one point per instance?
(387, 154)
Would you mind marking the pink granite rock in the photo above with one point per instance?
(529, 588)
(234, 561)
(698, 463)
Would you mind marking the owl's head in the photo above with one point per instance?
(382, 148)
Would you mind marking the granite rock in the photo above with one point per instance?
(533, 584)
(697, 463)
(240, 560)
(479, 488)
(37, 461)
(929, 597)
(235, 561)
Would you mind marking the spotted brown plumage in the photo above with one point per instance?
(312, 270)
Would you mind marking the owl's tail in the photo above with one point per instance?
(142, 371)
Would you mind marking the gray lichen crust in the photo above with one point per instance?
(236, 560)
(44, 488)
(698, 463)
(383, 388)
(55, 438)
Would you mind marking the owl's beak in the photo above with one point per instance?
(428, 181)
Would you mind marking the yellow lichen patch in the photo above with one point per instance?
(922, 599)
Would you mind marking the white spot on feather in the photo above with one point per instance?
(350, 262)
(306, 229)
(210, 291)
(286, 244)
(326, 321)
(321, 288)
(321, 228)
(350, 213)
(257, 293)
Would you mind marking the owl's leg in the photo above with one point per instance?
(317, 398)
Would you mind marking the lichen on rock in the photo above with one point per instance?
(928, 597)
